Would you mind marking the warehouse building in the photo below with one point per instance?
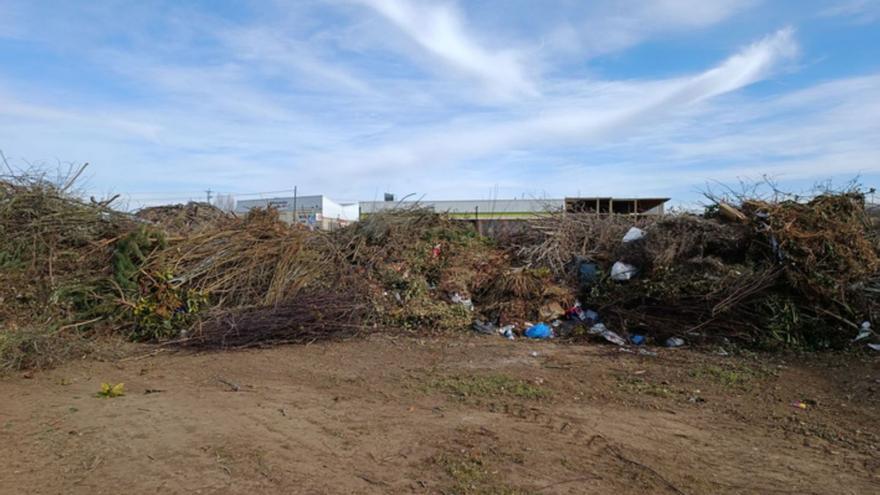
(316, 211)
(516, 209)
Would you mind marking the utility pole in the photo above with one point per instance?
(208, 192)
(295, 213)
(477, 219)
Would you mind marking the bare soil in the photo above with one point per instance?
(471, 416)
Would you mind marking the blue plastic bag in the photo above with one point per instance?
(539, 331)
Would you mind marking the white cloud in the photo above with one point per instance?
(860, 11)
(266, 103)
(279, 54)
(611, 26)
(439, 30)
(631, 106)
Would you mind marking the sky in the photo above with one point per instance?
(447, 99)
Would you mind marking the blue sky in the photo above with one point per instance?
(450, 100)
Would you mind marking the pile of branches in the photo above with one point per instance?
(257, 260)
(254, 264)
(311, 316)
(55, 249)
(771, 270)
(186, 219)
(417, 264)
(554, 240)
(827, 245)
(518, 294)
(768, 272)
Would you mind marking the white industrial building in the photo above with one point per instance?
(516, 209)
(318, 211)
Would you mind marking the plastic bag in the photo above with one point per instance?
(539, 331)
(633, 234)
(622, 272)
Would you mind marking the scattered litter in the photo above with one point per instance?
(598, 328)
(564, 328)
(464, 301)
(232, 386)
(507, 332)
(637, 339)
(864, 331)
(588, 273)
(646, 352)
(799, 405)
(577, 312)
(486, 328)
(551, 311)
(602, 331)
(633, 234)
(613, 338)
(622, 272)
(722, 352)
(875, 347)
(539, 331)
(591, 316)
(534, 354)
(731, 213)
(152, 391)
(674, 342)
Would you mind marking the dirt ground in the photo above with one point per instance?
(471, 416)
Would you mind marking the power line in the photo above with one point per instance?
(158, 196)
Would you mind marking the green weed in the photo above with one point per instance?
(488, 386)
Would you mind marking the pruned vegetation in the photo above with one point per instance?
(774, 272)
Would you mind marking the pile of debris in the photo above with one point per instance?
(185, 219)
(422, 270)
(763, 273)
(56, 252)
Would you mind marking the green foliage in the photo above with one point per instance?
(638, 385)
(425, 314)
(787, 326)
(728, 376)
(163, 309)
(712, 211)
(10, 260)
(470, 474)
(131, 253)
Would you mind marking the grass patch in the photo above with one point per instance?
(487, 387)
(729, 377)
(37, 348)
(470, 475)
(641, 386)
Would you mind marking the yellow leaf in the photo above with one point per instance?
(108, 390)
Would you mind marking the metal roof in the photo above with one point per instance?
(282, 203)
(469, 206)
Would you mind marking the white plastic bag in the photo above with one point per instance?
(633, 234)
(622, 271)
